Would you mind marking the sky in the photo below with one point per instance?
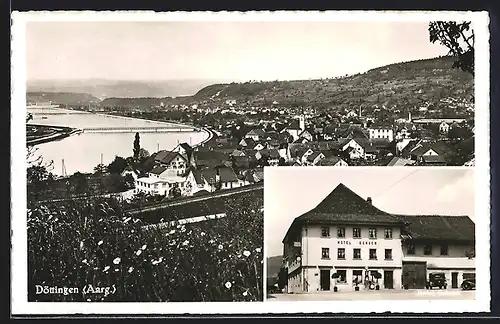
(236, 51)
(290, 192)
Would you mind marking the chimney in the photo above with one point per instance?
(369, 200)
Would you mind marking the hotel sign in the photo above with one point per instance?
(357, 242)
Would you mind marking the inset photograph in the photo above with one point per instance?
(370, 233)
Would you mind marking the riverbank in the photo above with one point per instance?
(49, 134)
(61, 132)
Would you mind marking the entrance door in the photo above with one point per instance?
(388, 279)
(454, 280)
(324, 279)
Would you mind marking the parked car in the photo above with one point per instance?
(437, 279)
(469, 284)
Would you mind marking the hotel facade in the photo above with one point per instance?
(365, 247)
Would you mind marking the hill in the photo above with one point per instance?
(121, 89)
(273, 266)
(400, 84)
(61, 98)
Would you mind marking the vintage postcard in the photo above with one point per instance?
(142, 141)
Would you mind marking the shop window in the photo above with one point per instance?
(342, 276)
(357, 276)
(325, 253)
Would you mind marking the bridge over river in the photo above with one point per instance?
(143, 129)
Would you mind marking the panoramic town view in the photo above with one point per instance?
(147, 142)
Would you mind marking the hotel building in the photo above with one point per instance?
(346, 235)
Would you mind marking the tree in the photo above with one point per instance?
(129, 181)
(99, 169)
(118, 165)
(143, 155)
(137, 146)
(458, 38)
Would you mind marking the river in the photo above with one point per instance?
(82, 152)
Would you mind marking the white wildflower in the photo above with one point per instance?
(116, 270)
(211, 241)
(100, 242)
(130, 269)
(202, 233)
(106, 268)
(220, 247)
(138, 252)
(144, 247)
(84, 261)
(117, 261)
(186, 242)
(228, 285)
(258, 250)
(245, 293)
(246, 253)
(81, 245)
(171, 232)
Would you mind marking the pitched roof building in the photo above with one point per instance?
(347, 235)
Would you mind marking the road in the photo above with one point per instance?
(420, 294)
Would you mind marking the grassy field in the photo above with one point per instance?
(95, 243)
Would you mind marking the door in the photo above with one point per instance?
(324, 279)
(454, 280)
(388, 279)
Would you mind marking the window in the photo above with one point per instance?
(341, 254)
(427, 249)
(325, 253)
(388, 233)
(325, 232)
(342, 276)
(444, 249)
(373, 254)
(356, 232)
(372, 233)
(357, 254)
(388, 254)
(410, 249)
(341, 232)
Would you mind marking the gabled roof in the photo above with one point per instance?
(209, 175)
(342, 206)
(294, 125)
(227, 175)
(186, 147)
(237, 152)
(271, 153)
(166, 157)
(435, 227)
(433, 159)
(257, 131)
(158, 170)
(198, 176)
(397, 161)
(329, 161)
(313, 156)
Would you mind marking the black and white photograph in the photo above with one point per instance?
(406, 234)
(142, 141)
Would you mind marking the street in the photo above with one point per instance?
(420, 294)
